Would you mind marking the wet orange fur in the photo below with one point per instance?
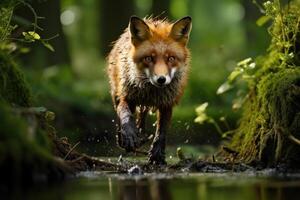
(160, 35)
(131, 86)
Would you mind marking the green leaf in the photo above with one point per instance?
(48, 46)
(202, 108)
(235, 73)
(34, 35)
(28, 37)
(248, 77)
(24, 50)
(262, 20)
(49, 116)
(224, 88)
(180, 153)
(31, 36)
(251, 65)
(201, 118)
(244, 62)
(201, 115)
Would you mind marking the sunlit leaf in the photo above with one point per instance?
(34, 35)
(201, 113)
(180, 154)
(244, 62)
(222, 119)
(49, 116)
(235, 73)
(247, 77)
(291, 55)
(48, 46)
(24, 50)
(262, 20)
(27, 36)
(201, 118)
(224, 88)
(201, 109)
(31, 36)
(252, 65)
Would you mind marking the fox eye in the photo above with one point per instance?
(171, 58)
(148, 59)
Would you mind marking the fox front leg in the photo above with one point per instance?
(157, 151)
(127, 136)
(141, 120)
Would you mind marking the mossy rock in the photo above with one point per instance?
(23, 158)
(13, 87)
(271, 115)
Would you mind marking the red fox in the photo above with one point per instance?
(148, 69)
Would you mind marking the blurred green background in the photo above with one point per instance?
(72, 81)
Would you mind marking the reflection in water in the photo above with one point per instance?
(275, 191)
(160, 187)
(144, 189)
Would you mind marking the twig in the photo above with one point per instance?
(76, 160)
(294, 139)
(36, 17)
(50, 38)
(260, 8)
(71, 150)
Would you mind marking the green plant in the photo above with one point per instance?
(10, 44)
(269, 126)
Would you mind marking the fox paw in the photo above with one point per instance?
(127, 137)
(157, 156)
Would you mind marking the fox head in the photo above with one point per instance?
(159, 48)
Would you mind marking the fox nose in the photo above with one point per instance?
(161, 80)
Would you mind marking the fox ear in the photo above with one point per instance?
(181, 30)
(139, 30)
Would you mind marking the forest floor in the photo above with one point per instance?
(138, 165)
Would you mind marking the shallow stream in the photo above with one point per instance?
(205, 186)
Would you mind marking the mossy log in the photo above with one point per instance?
(270, 124)
(30, 150)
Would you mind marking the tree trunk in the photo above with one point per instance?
(114, 18)
(161, 9)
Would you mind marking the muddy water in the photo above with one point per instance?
(225, 186)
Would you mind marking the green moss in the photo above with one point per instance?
(272, 110)
(270, 115)
(25, 151)
(21, 154)
(13, 88)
